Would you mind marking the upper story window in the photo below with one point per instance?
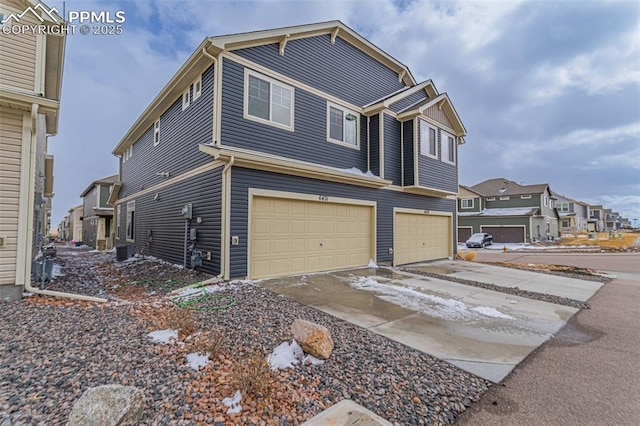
(127, 154)
(491, 199)
(505, 198)
(546, 200)
(428, 140)
(525, 197)
(268, 101)
(156, 132)
(342, 126)
(192, 92)
(448, 147)
(563, 207)
(466, 203)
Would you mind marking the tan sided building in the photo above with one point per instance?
(30, 85)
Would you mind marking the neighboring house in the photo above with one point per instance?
(74, 231)
(512, 213)
(97, 216)
(30, 85)
(63, 228)
(612, 220)
(574, 214)
(596, 218)
(289, 151)
(469, 202)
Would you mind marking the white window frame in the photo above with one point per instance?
(156, 132)
(505, 198)
(562, 209)
(127, 154)
(424, 144)
(525, 197)
(468, 205)
(491, 199)
(444, 141)
(249, 73)
(186, 98)
(131, 222)
(196, 87)
(118, 219)
(345, 111)
(546, 201)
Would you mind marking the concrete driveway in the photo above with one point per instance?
(481, 331)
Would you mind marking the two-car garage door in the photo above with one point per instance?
(421, 236)
(295, 236)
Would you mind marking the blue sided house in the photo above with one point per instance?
(289, 151)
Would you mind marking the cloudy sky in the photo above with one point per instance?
(549, 91)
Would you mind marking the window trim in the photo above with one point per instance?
(131, 208)
(560, 209)
(504, 198)
(186, 98)
(525, 197)
(271, 81)
(344, 111)
(491, 198)
(156, 132)
(118, 219)
(462, 200)
(546, 200)
(435, 129)
(196, 93)
(444, 137)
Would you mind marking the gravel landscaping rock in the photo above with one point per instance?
(53, 350)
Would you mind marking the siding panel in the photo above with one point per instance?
(407, 146)
(392, 149)
(159, 226)
(374, 136)
(408, 101)
(436, 173)
(307, 143)
(180, 134)
(438, 115)
(243, 179)
(338, 69)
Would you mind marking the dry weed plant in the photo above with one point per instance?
(213, 342)
(181, 320)
(253, 375)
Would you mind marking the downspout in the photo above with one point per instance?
(32, 158)
(215, 92)
(225, 216)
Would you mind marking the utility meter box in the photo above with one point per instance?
(187, 211)
(196, 258)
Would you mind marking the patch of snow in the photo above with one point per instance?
(358, 172)
(164, 336)
(492, 312)
(372, 264)
(313, 360)
(195, 292)
(429, 304)
(286, 355)
(233, 403)
(94, 251)
(507, 211)
(196, 360)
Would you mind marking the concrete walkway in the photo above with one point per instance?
(481, 331)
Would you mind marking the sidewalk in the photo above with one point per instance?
(588, 374)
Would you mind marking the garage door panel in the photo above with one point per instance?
(507, 234)
(295, 236)
(421, 237)
(463, 234)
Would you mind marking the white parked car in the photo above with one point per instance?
(480, 239)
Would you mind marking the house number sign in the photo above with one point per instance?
(323, 197)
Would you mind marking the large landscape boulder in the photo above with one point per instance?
(108, 405)
(313, 338)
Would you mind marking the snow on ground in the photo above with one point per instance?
(372, 264)
(426, 303)
(164, 336)
(195, 292)
(196, 360)
(144, 258)
(288, 355)
(233, 403)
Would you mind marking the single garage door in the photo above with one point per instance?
(464, 234)
(421, 237)
(291, 237)
(509, 234)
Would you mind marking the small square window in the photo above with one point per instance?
(342, 126)
(504, 198)
(186, 98)
(428, 140)
(466, 203)
(156, 132)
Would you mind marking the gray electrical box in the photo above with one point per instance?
(187, 211)
(193, 232)
(196, 258)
